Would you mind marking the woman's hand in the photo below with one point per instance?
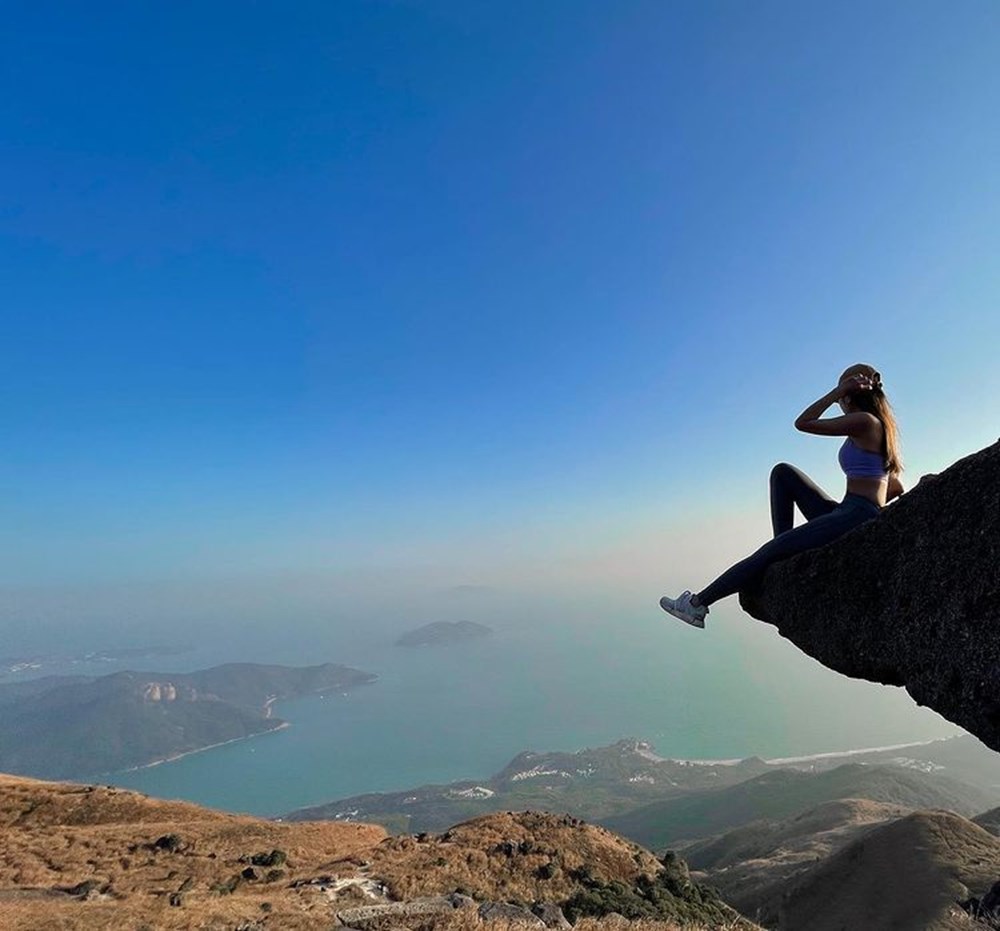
(854, 423)
(859, 382)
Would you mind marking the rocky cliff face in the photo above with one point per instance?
(167, 691)
(912, 598)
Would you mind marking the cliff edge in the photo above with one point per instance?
(911, 598)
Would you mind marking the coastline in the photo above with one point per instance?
(268, 712)
(180, 756)
(169, 786)
(778, 761)
(811, 757)
(735, 761)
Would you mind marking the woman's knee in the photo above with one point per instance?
(781, 472)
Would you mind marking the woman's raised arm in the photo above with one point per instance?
(857, 423)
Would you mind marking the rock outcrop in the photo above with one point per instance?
(911, 598)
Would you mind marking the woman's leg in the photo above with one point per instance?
(790, 487)
(817, 532)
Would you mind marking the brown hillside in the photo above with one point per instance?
(911, 873)
(33, 803)
(502, 856)
(56, 836)
(753, 866)
(92, 858)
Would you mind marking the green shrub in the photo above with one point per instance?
(670, 895)
(274, 858)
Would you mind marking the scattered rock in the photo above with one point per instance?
(171, 843)
(82, 889)
(458, 900)
(504, 911)
(986, 909)
(325, 880)
(550, 914)
(366, 917)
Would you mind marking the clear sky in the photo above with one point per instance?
(479, 291)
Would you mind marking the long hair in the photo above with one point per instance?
(875, 402)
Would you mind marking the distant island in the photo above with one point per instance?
(64, 727)
(443, 632)
(15, 665)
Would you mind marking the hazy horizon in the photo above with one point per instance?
(327, 321)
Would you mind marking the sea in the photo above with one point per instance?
(555, 674)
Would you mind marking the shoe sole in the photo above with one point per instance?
(698, 622)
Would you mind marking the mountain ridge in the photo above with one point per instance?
(914, 872)
(783, 793)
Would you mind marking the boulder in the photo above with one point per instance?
(911, 598)
(504, 911)
(551, 915)
(366, 917)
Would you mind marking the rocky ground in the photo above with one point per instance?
(97, 858)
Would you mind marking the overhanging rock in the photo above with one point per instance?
(911, 598)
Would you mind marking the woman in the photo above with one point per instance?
(870, 460)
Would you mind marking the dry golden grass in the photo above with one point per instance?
(467, 920)
(34, 803)
(123, 918)
(506, 857)
(55, 836)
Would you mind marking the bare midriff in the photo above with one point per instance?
(874, 489)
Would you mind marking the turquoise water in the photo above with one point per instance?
(599, 673)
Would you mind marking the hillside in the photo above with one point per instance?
(784, 793)
(753, 866)
(76, 727)
(989, 821)
(602, 782)
(911, 873)
(923, 590)
(591, 784)
(89, 858)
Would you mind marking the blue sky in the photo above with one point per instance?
(462, 286)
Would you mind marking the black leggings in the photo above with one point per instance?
(825, 521)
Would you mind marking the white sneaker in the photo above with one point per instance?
(681, 607)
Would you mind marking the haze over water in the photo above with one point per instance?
(559, 673)
(316, 312)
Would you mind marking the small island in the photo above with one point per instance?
(443, 632)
